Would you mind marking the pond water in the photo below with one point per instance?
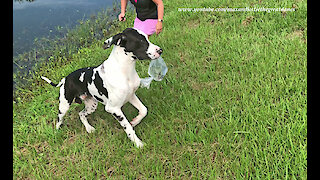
(42, 18)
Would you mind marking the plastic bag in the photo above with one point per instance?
(145, 82)
(157, 70)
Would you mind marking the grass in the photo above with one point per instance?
(233, 104)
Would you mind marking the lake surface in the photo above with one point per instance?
(43, 18)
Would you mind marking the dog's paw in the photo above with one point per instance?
(58, 125)
(135, 122)
(140, 144)
(90, 129)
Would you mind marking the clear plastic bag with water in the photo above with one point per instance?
(157, 70)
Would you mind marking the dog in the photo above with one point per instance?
(113, 83)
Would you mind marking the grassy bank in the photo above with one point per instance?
(232, 106)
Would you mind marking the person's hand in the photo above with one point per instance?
(121, 17)
(159, 27)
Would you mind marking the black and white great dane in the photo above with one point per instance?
(113, 83)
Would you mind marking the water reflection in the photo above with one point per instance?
(34, 19)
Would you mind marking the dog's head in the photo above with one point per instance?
(136, 42)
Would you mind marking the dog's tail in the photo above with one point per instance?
(50, 82)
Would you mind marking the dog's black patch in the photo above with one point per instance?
(99, 85)
(134, 42)
(87, 76)
(119, 118)
(74, 87)
(97, 98)
(77, 100)
(134, 57)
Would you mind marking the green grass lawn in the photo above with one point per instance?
(233, 104)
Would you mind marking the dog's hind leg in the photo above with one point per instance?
(63, 107)
(90, 106)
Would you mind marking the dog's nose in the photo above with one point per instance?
(159, 51)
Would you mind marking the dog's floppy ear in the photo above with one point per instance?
(118, 39)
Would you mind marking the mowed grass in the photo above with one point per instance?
(233, 104)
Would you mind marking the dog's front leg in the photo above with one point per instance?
(142, 110)
(118, 114)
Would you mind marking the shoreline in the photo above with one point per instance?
(46, 50)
